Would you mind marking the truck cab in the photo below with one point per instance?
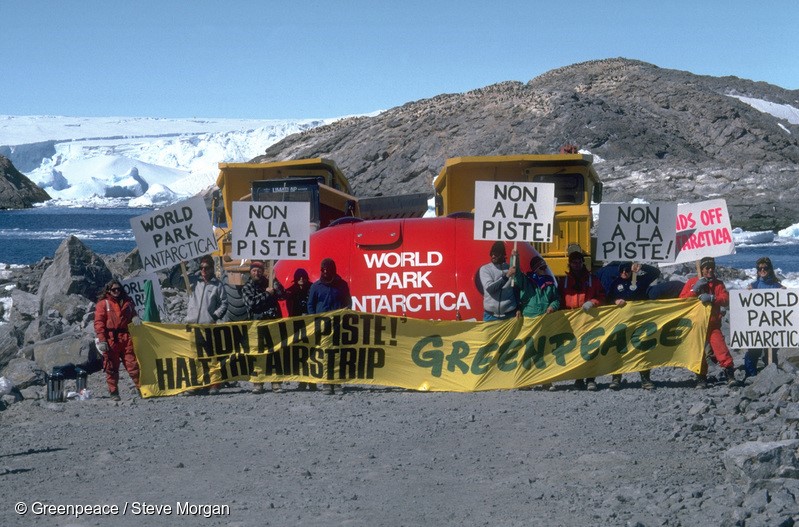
(576, 186)
(317, 181)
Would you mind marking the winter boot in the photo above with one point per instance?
(615, 382)
(731, 380)
(646, 381)
(700, 382)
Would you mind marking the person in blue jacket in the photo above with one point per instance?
(328, 293)
(766, 279)
(623, 289)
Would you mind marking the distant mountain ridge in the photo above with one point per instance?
(662, 135)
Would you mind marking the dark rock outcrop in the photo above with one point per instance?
(657, 134)
(75, 270)
(16, 190)
(51, 320)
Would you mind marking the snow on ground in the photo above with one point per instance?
(780, 111)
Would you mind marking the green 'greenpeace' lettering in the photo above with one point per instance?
(429, 351)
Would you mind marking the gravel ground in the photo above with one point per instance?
(394, 457)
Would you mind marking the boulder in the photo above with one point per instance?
(756, 460)
(71, 308)
(16, 190)
(23, 373)
(76, 347)
(51, 324)
(8, 344)
(75, 270)
(24, 309)
(30, 336)
(768, 381)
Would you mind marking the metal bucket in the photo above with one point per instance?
(81, 378)
(55, 387)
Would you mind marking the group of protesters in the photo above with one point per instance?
(208, 304)
(509, 293)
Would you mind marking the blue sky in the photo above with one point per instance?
(302, 59)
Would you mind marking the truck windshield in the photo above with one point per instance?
(283, 190)
(569, 188)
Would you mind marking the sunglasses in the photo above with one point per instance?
(115, 289)
(205, 267)
(762, 268)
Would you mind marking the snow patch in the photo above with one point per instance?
(780, 111)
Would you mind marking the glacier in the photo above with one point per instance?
(132, 161)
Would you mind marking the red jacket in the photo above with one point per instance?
(576, 290)
(716, 288)
(110, 318)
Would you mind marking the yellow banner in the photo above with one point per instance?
(350, 347)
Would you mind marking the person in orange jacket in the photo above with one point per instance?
(711, 291)
(580, 289)
(113, 314)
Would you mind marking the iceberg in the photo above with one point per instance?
(742, 237)
(790, 232)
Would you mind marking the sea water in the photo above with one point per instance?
(28, 235)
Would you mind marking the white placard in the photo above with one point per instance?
(514, 211)
(134, 287)
(271, 230)
(764, 318)
(637, 232)
(174, 234)
(703, 229)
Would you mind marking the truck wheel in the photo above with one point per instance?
(236, 308)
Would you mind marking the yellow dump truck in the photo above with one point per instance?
(576, 186)
(317, 181)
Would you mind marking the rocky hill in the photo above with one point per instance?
(658, 134)
(16, 190)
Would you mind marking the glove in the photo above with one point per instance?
(588, 305)
(702, 282)
(102, 347)
(706, 298)
(136, 321)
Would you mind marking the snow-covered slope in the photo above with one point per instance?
(114, 161)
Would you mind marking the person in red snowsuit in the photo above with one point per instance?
(580, 289)
(112, 315)
(711, 291)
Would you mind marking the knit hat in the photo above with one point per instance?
(536, 262)
(256, 263)
(497, 248)
(707, 261)
(328, 263)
